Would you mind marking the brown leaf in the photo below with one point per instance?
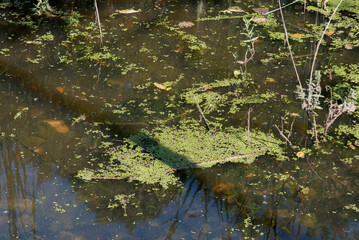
(348, 46)
(300, 154)
(55, 123)
(297, 35)
(270, 80)
(207, 87)
(235, 10)
(259, 20)
(60, 89)
(59, 125)
(330, 33)
(62, 129)
(251, 175)
(160, 86)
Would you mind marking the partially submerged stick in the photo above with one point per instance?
(281, 7)
(200, 111)
(289, 47)
(98, 22)
(283, 136)
(248, 124)
(321, 39)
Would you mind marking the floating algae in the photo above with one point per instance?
(152, 156)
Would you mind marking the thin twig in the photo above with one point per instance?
(315, 132)
(321, 39)
(200, 111)
(313, 169)
(248, 123)
(291, 128)
(282, 7)
(289, 47)
(98, 22)
(283, 136)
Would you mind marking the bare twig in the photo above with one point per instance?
(283, 136)
(315, 132)
(282, 7)
(249, 122)
(291, 128)
(98, 22)
(321, 39)
(309, 162)
(200, 111)
(289, 47)
(335, 110)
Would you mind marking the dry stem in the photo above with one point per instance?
(321, 39)
(289, 47)
(98, 22)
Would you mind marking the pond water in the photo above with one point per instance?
(62, 106)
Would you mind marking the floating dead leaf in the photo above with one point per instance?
(223, 188)
(185, 24)
(352, 146)
(329, 33)
(207, 87)
(348, 46)
(259, 20)
(38, 150)
(251, 175)
(261, 10)
(270, 80)
(55, 123)
(235, 10)
(237, 73)
(179, 50)
(258, 41)
(295, 114)
(300, 24)
(300, 154)
(59, 125)
(128, 11)
(60, 89)
(160, 86)
(62, 129)
(298, 35)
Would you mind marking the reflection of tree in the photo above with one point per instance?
(18, 192)
(297, 202)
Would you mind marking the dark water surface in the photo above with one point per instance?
(50, 114)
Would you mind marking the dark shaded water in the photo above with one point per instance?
(43, 147)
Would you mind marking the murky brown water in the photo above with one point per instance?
(58, 134)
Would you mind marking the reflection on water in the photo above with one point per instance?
(19, 186)
(44, 147)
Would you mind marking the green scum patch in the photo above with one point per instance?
(152, 157)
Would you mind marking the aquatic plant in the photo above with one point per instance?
(152, 157)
